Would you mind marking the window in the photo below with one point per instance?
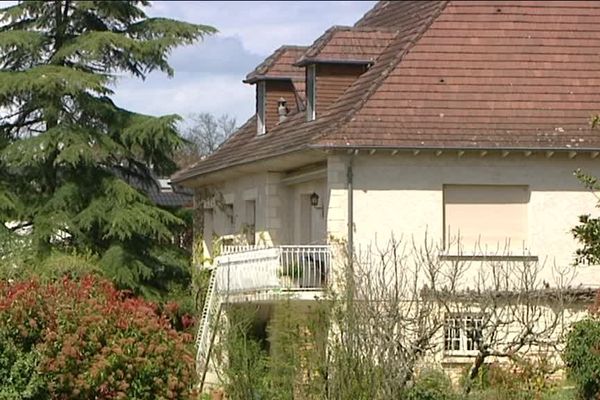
(311, 92)
(229, 220)
(250, 228)
(261, 127)
(208, 230)
(463, 333)
(485, 219)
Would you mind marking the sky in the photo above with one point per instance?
(208, 75)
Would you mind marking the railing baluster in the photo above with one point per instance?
(250, 268)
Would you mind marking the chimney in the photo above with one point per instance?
(282, 109)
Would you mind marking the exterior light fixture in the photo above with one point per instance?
(314, 199)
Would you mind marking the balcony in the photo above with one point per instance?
(292, 269)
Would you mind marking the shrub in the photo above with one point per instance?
(83, 339)
(246, 367)
(582, 357)
(431, 384)
(521, 378)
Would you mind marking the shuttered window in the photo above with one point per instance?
(311, 92)
(261, 127)
(485, 219)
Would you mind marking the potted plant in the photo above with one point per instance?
(290, 275)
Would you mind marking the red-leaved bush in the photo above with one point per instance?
(93, 341)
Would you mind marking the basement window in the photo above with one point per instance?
(261, 127)
(311, 92)
(462, 334)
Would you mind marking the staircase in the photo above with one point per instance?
(207, 329)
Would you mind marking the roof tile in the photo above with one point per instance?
(460, 74)
(346, 44)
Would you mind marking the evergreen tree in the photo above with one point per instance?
(68, 154)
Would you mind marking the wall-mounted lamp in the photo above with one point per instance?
(314, 199)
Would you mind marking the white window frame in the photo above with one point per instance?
(261, 106)
(311, 92)
(456, 331)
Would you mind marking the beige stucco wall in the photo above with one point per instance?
(307, 224)
(280, 217)
(403, 195)
(270, 217)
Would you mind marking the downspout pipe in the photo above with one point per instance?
(350, 189)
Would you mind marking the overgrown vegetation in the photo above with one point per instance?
(582, 353)
(381, 341)
(83, 339)
(73, 164)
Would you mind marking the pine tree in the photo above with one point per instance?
(68, 153)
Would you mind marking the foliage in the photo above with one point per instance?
(245, 374)
(521, 378)
(204, 134)
(431, 384)
(285, 348)
(293, 270)
(72, 163)
(587, 232)
(582, 357)
(20, 264)
(82, 339)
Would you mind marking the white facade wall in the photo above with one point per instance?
(402, 195)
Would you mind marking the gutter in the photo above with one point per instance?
(191, 175)
(454, 148)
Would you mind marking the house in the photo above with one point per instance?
(451, 119)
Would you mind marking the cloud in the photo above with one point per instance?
(214, 93)
(208, 78)
(208, 75)
(216, 54)
(265, 25)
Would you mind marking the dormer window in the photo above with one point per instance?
(311, 92)
(261, 127)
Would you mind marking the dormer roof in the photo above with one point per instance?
(344, 44)
(279, 65)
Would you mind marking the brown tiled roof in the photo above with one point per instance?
(460, 74)
(280, 64)
(295, 133)
(342, 43)
(503, 74)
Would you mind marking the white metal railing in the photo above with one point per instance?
(283, 267)
(238, 248)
